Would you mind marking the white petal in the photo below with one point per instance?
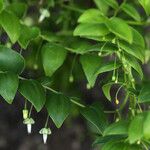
(44, 138)
(42, 17)
(29, 127)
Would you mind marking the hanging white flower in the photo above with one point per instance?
(29, 122)
(45, 132)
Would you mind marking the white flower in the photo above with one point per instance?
(45, 132)
(44, 14)
(29, 122)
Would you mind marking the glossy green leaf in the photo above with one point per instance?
(27, 34)
(10, 60)
(120, 127)
(131, 11)
(101, 5)
(53, 57)
(131, 61)
(33, 92)
(120, 28)
(8, 86)
(104, 139)
(133, 49)
(91, 30)
(106, 90)
(136, 129)
(105, 67)
(1, 5)
(58, 107)
(92, 16)
(146, 5)
(96, 116)
(10, 24)
(18, 8)
(90, 63)
(144, 95)
(138, 38)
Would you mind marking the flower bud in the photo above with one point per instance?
(71, 78)
(113, 78)
(117, 101)
(25, 114)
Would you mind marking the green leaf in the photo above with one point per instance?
(105, 67)
(10, 24)
(144, 95)
(28, 34)
(136, 129)
(90, 63)
(91, 30)
(92, 16)
(1, 5)
(58, 107)
(104, 139)
(119, 145)
(120, 28)
(111, 3)
(145, 4)
(8, 86)
(133, 49)
(106, 90)
(53, 57)
(18, 8)
(131, 11)
(101, 5)
(117, 128)
(146, 126)
(33, 92)
(138, 38)
(11, 60)
(131, 61)
(96, 116)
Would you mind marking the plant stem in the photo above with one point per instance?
(30, 110)
(46, 123)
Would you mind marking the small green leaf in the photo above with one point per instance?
(131, 11)
(90, 63)
(58, 107)
(145, 4)
(53, 56)
(96, 116)
(106, 90)
(18, 8)
(8, 86)
(11, 60)
(134, 64)
(144, 95)
(91, 30)
(111, 3)
(138, 38)
(133, 49)
(105, 67)
(92, 16)
(33, 92)
(10, 24)
(120, 28)
(28, 34)
(136, 129)
(101, 5)
(146, 126)
(117, 128)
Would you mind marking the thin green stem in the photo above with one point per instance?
(46, 123)
(30, 110)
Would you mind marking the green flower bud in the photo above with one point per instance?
(71, 78)
(25, 113)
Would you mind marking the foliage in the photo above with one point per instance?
(107, 37)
